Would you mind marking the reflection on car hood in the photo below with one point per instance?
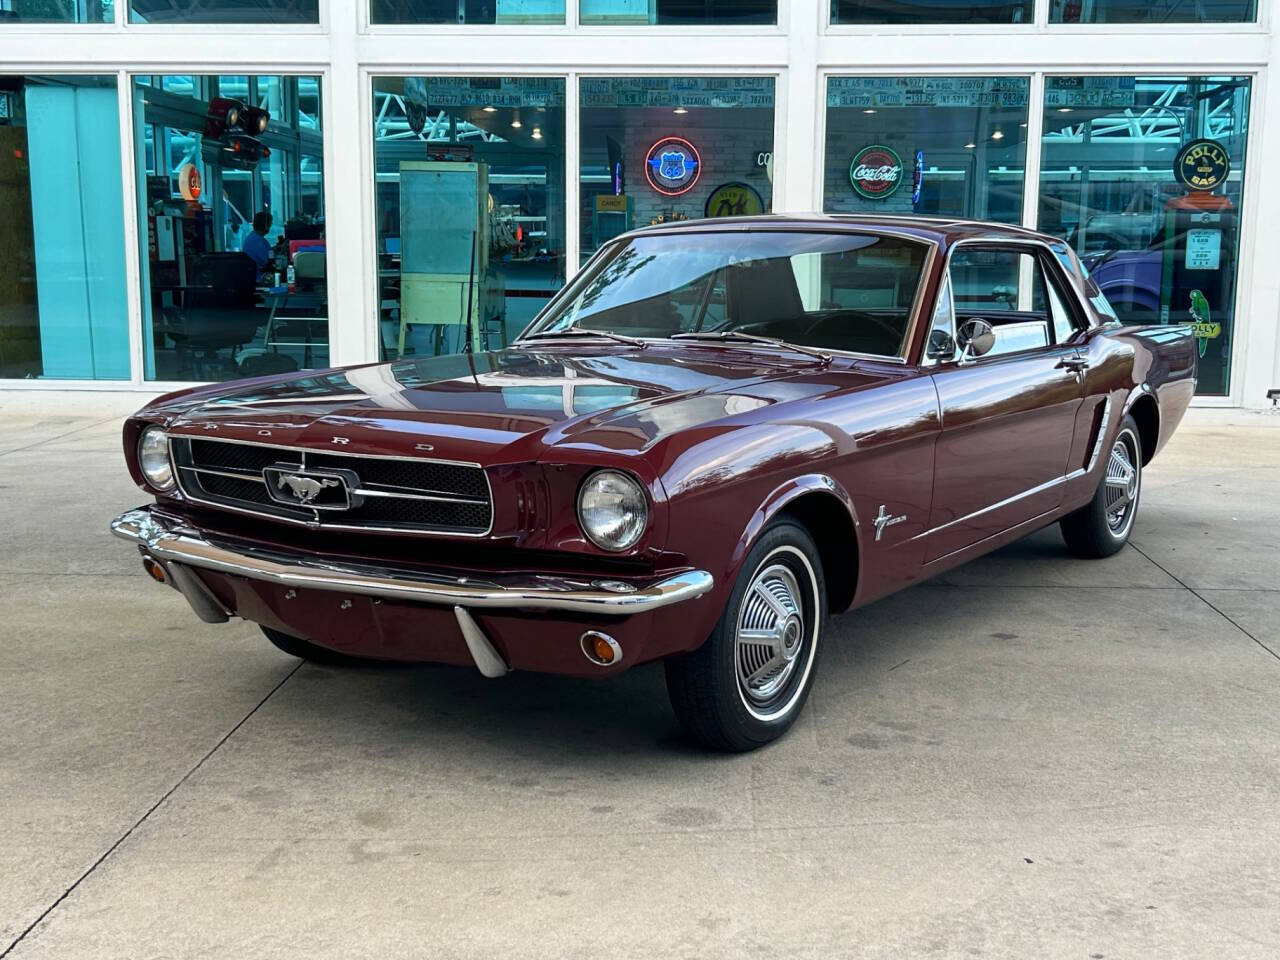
(504, 406)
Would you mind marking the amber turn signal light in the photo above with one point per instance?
(154, 570)
(600, 648)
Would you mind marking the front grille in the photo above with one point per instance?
(385, 493)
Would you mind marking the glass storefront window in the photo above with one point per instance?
(233, 251)
(938, 146)
(57, 11)
(932, 11)
(1144, 177)
(467, 11)
(470, 208)
(1145, 11)
(63, 305)
(309, 103)
(656, 149)
(678, 12)
(224, 11)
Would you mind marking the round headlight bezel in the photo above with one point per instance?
(593, 536)
(152, 442)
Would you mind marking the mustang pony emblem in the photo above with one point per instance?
(305, 489)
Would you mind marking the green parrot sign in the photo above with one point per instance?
(1202, 326)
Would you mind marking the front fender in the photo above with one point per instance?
(833, 497)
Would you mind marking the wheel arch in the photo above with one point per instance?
(825, 509)
(1144, 409)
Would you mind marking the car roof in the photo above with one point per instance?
(940, 230)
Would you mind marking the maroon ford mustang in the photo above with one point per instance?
(716, 435)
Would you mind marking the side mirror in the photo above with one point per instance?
(942, 346)
(975, 338)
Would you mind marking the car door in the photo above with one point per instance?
(1008, 416)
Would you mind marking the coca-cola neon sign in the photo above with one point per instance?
(876, 172)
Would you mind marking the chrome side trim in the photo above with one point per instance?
(1103, 424)
(1007, 501)
(172, 543)
(488, 661)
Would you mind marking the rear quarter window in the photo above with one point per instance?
(1074, 268)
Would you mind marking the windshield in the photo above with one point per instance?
(836, 291)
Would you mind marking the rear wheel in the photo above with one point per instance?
(311, 652)
(1102, 526)
(745, 686)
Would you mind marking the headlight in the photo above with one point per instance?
(153, 458)
(612, 510)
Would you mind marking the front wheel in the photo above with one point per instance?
(745, 686)
(1102, 526)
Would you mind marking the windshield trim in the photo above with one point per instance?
(913, 320)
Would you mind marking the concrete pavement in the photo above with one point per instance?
(1031, 756)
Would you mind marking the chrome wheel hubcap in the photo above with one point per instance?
(771, 633)
(1121, 485)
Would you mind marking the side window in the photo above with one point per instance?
(996, 280)
(1064, 322)
(1006, 288)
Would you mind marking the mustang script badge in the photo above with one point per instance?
(882, 520)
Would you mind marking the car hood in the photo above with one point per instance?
(506, 406)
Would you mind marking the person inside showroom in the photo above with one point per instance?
(256, 245)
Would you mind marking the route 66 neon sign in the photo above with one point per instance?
(672, 166)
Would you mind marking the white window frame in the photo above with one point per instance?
(800, 52)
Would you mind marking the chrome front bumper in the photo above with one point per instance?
(172, 543)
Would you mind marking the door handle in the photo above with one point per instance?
(1075, 364)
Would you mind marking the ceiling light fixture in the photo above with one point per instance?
(490, 109)
(680, 110)
(516, 124)
(970, 146)
(868, 110)
(537, 133)
(997, 135)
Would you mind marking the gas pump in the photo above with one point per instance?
(1198, 275)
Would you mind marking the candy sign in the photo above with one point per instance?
(876, 172)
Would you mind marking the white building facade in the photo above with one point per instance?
(418, 171)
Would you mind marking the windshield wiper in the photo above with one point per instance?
(729, 335)
(586, 332)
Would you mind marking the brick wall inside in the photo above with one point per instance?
(727, 140)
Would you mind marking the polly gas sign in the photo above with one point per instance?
(1202, 165)
(876, 172)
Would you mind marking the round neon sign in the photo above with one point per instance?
(672, 166)
(876, 172)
